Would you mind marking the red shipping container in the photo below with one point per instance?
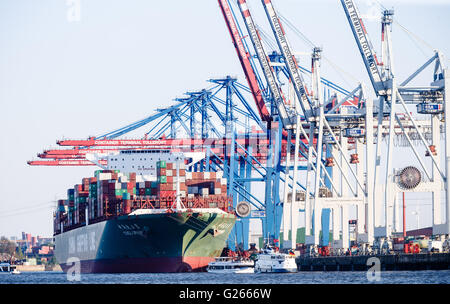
(166, 187)
(170, 166)
(169, 179)
(182, 172)
(167, 194)
(126, 206)
(161, 171)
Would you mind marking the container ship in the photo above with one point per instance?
(159, 218)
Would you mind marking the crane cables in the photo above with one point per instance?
(410, 34)
(27, 209)
(266, 39)
(341, 72)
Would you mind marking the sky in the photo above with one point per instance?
(68, 77)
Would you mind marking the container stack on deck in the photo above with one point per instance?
(112, 193)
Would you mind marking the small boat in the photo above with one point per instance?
(15, 271)
(270, 260)
(8, 268)
(231, 265)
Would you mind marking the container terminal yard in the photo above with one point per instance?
(296, 157)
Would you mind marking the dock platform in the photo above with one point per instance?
(391, 262)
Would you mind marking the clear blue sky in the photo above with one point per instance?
(123, 59)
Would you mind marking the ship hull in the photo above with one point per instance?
(150, 243)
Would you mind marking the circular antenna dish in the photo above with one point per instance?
(409, 178)
(243, 209)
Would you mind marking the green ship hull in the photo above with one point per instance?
(147, 242)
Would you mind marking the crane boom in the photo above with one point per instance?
(77, 162)
(365, 46)
(268, 72)
(291, 62)
(162, 143)
(245, 62)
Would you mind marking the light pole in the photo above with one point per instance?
(416, 213)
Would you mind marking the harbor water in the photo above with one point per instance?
(345, 277)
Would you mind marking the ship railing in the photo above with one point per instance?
(115, 207)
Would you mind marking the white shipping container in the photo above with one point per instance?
(206, 175)
(223, 181)
(205, 191)
(104, 176)
(188, 175)
(169, 173)
(435, 245)
(182, 179)
(117, 186)
(183, 193)
(141, 185)
(217, 191)
(191, 195)
(150, 178)
(182, 166)
(219, 174)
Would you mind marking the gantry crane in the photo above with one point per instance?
(382, 76)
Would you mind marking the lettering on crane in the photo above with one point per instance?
(240, 45)
(268, 72)
(289, 58)
(364, 44)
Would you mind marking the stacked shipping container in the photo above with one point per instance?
(111, 193)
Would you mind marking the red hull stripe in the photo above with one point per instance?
(142, 265)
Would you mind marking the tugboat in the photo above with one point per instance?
(272, 261)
